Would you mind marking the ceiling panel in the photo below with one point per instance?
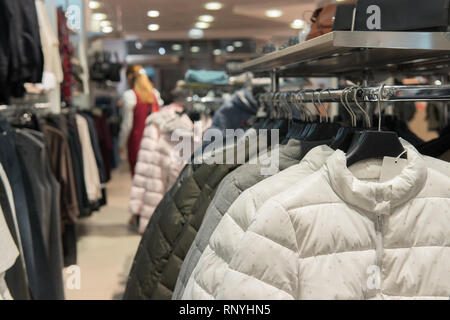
(238, 18)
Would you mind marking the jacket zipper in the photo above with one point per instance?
(379, 250)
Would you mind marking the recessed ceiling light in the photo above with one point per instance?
(238, 44)
(230, 48)
(162, 51)
(153, 13)
(213, 6)
(107, 29)
(94, 5)
(176, 47)
(99, 16)
(195, 49)
(153, 27)
(298, 24)
(202, 25)
(274, 13)
(217, 52)
(105, 23)
(196, 33)
(206, 18)
(438, 83)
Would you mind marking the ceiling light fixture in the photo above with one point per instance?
(99, 16)
(94, 5)
(274, 13)
(107, 29)
(217, 52)
(213, 6)
(153, 13)
(202, 25)
(153, 27)
(230, 48)
(196, 33)
(298, 24)
(195, 49)
(238, 44)
(206, 18)
(105, 23)
(176, 47)
(162, 51)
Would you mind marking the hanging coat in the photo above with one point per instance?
(157, 167)
(172, 230)
(342, 234)
(233, 186)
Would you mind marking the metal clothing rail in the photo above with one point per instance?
(25, 105)
(365, 94)
(205, 99)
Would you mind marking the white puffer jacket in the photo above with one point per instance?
(209, 272)
(157, 166)
(339, 235)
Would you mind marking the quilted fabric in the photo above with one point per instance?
(229, 190)
(172, 230)
(208, 272)
(342, 234)
(157, 168)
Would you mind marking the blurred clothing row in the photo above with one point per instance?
(53, 172)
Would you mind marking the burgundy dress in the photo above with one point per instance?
(141, 112)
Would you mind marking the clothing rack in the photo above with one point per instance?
(11, 109)
(209, 104)
(365, 94)
(24, 110)
(25, 105)
(205, 100)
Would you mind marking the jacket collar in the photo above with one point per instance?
(376, 197)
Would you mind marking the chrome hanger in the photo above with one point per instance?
(348, 108)
(367, 120)
(315, 105)
(323, 107)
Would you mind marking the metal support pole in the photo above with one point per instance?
(274, 81)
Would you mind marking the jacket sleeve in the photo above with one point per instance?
(265, 266)
(91, 173)
(130, 102)
(69, 203)
(147, 189)
(208, 277)
(224, 242)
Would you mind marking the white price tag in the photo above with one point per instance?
(391, 168)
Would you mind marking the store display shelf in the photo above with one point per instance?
(342, 52)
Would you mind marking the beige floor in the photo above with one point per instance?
(106, 246)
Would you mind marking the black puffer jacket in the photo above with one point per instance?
(172, 230)
(21, 57)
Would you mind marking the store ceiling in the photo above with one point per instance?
(237, 18)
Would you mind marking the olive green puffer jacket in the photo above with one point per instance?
(172, 230)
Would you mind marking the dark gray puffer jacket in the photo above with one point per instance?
(172, 230)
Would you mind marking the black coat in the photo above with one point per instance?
(172, 230)
(21, 57)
